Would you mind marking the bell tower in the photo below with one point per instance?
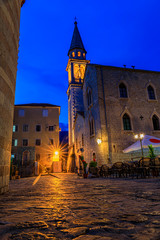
(76, 69)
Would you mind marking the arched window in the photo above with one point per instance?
(91, 126)
(151, 94)
(123, 91)
(126, 122)
(73, 54)
(155, 121)
(89, 97)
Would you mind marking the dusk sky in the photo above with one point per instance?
(114, 33)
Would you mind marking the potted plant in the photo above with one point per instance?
(85, 174)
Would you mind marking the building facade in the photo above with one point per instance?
(9, 35)
(36, 136)
(117, 104)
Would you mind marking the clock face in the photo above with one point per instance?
(79, 71)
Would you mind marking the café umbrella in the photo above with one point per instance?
(147, 140)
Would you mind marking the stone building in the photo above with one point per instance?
(36, 137)
(9, 35)
(111, 106)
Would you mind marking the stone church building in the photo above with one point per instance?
(107, 106)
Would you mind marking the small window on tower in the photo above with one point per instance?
(73, 54)
(84, 55)
(79, 54)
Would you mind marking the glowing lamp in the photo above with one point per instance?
(136, 136)
(141, 136)
(56, 153)
(99, 141)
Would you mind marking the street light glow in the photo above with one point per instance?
(136, 136)
(56, 153)
(99, 141)
(141, 135)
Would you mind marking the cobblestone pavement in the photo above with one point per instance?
(69, 207)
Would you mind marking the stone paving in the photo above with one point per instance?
(69, 207)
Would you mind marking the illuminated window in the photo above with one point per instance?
(38, 128)
(155, 121)
(25, 127)
(84, 55)
(91, 126)
(123, 91)
(38, 142)
(126, 122)
(79, 54)
(25, 142)
(21, 112)
(15, 128)
(14, 142)
(45, 112)
(151, 94)
(73, 54)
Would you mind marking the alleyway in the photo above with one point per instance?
(69, 207)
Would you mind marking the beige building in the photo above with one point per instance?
(9, 40)
(107, 106)
(36, 135)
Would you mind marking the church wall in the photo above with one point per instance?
(91, 145)
(9, 35)
(136, 105)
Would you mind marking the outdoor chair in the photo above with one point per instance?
(143, 168)
(155, 167)
(104, 171)
(117, 169)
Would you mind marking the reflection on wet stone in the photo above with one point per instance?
(69, 207)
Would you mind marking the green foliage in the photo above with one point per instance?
(93, 164)
(151, 152)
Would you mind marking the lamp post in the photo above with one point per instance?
(140, 137)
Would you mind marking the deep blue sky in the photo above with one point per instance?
(114, 33)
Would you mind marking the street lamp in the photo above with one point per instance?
(140, 137)
(99, 141)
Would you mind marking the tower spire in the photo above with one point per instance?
(76, 43)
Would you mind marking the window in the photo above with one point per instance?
(91, 127)
(50, 141)
(84, 55)
(89, 97)
(38, 142)
(38, 128)
(25, 127)
(123, 91)
(82, 140)
(79, 54)
(21, 112)
(126, 122)
(25, 142)
(151, 94)
(15, 128)
(45, 113)
(37, 156)
(14, 142)
(155, 121)
(51, 128)
(73, 54)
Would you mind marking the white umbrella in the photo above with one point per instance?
(147, 140)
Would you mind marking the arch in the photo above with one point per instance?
(123, 90)
(151, 92)
(155, 121)
(126, 122)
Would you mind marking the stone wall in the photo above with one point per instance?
(136, 105)
(9, 35)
